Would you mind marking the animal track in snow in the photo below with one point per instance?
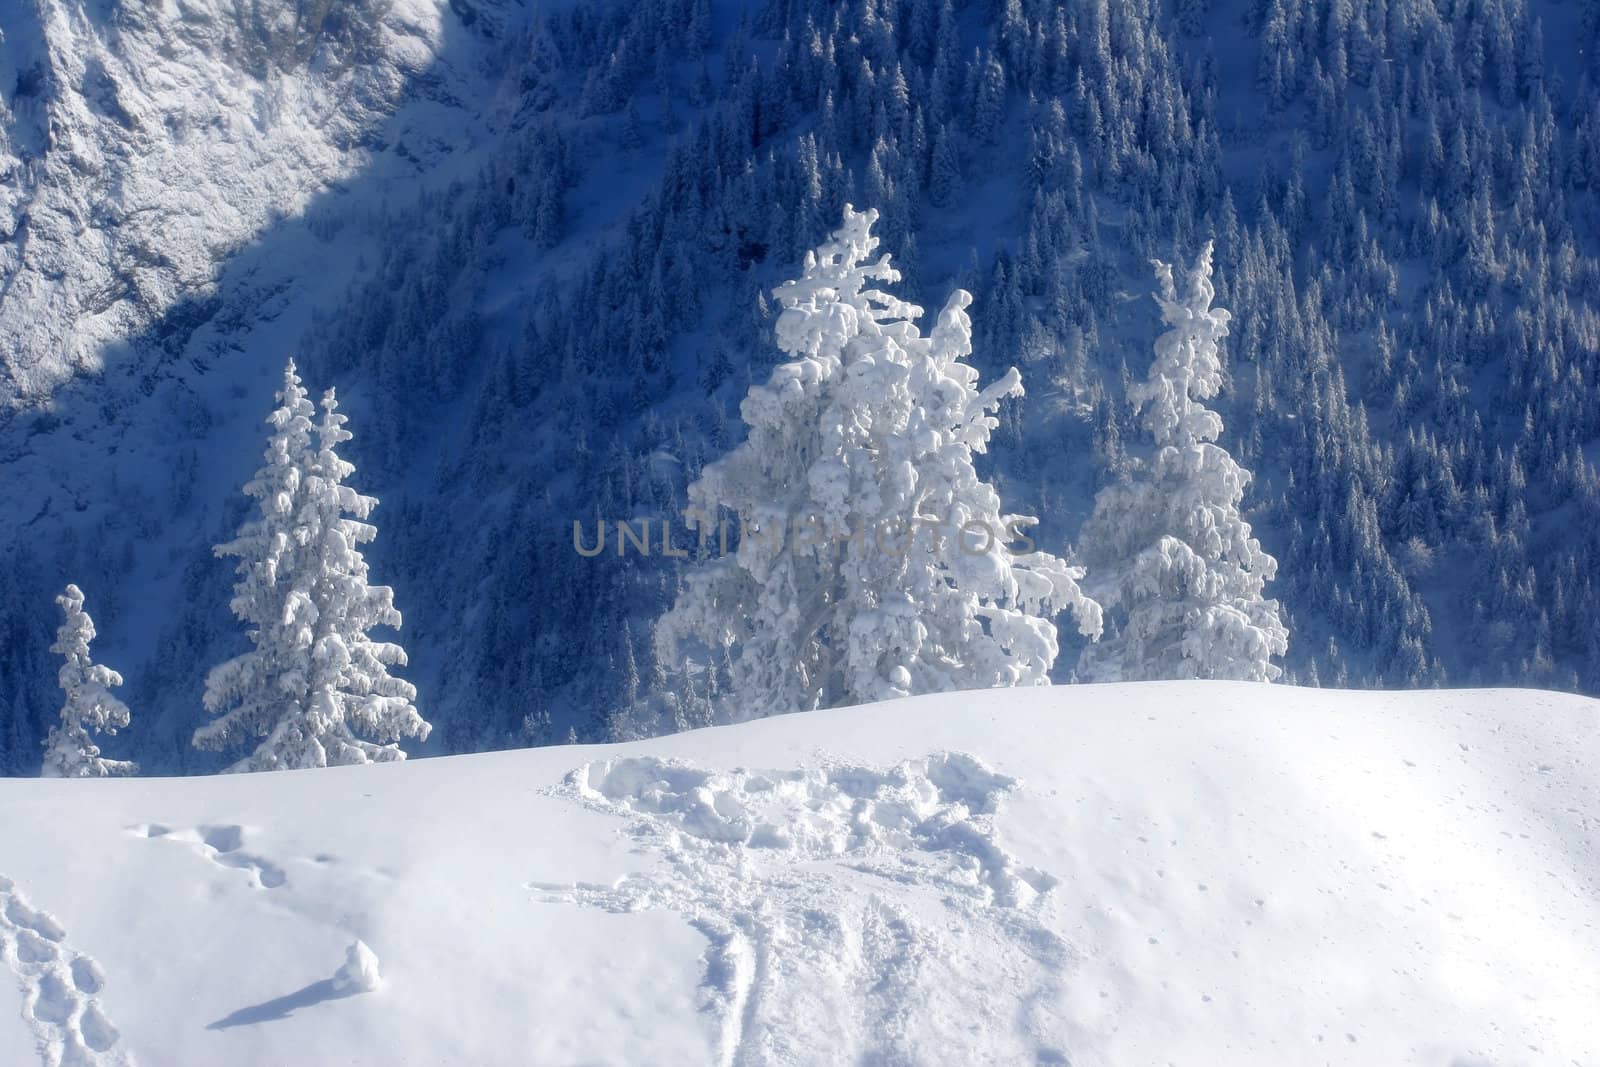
(802, 962)
(222, 845)
(58, 987)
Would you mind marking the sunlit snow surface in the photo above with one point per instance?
(1185, 873)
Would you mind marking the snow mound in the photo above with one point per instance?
(360, 971)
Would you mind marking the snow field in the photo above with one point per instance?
(1146, 873)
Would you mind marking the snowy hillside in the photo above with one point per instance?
(1135, 874)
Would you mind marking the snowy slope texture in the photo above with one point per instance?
(1213, 873)
(545, 286)
(142, 144)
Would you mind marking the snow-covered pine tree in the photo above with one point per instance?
(872, 560)
(313, 674)
(253, 693)
(1173, 559)
(351, 688)
(70, 751)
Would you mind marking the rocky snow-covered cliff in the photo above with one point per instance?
(142, 144)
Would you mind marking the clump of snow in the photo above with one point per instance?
(833, 810)
(360, 971)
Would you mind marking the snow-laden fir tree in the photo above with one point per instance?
(256, 692)
(1174, 562)
(853, 579)
(351, 687)
(313, 677)
(89, 708)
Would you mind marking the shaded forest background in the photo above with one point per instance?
(1405, 200)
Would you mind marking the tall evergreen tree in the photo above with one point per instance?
(253, 693)
(313, 677)
(351, 687)
(70, 751)
(1174, 559)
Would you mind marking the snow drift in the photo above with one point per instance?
(1183, 872)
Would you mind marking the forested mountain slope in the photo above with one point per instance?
(1403, 198)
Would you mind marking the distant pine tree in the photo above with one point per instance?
(253, 693)
(1173, 558)
(70, 751)
(351, 688)
(313, 676)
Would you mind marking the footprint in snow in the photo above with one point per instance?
(224, 846)
(59, 987)
(801, 962)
